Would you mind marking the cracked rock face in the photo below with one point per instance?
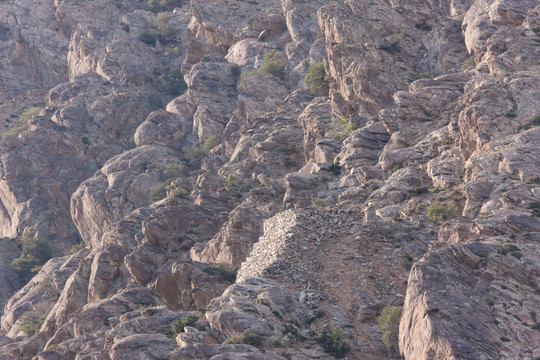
(247, 218)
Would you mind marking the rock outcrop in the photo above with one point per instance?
(267, 180)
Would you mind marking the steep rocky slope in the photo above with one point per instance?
(254, 216)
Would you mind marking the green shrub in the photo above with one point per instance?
(162, 22)
(52, 347)
(535, 122)
(33, 255)
(247, 337)
(332, 344)
(174, 80)
(341, 127)
(174, 171)
(210, 143)
(511, 249)
(316, 81)
(233, 187)
(424, 75)
(77, 247)
(193, 156)
(179, 326)
(246, 75)
(389, 327)
(468, 63)
(273, 64)
(335, 168)
(438, 213)
(22, 124)
(178, 192)
(318, 202)
(159, 191)
(162, 5)
(173, 51)
(49, 288)
(31, 322)
(149, 38)
(512, 112)
(535, 208)
(30, 113)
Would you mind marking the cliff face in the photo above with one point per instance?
(263, 216)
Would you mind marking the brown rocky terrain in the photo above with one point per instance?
(201, 194)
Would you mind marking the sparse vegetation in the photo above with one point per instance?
(178, 192)
(424, 75)
(77, 247)
(231, 186)
(174, 81)
(179, 325)
(535, 122)
(318, 202)
(194, 156)
(438, 213)
(159, 191)
(511, 249)
(162, 22)
(22, 123)
(33, 255)
(211, 142)
(162, 5)
(332, 344)
(445, 140)
(341, 127)
(148, 37)
(52, 347)
(389, 327)
(512, 112)
(335, 168)
(244, 76)
(316, 81)
(273, 64)
(48, 287)
(222, 271)
(247, 337)
(471, 61)
(31, 321)
(535, 208)
(174, 170)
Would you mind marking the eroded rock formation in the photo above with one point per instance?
(251, 217)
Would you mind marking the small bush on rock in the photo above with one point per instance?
(162, 5)
(389, 327)
(31, 322)
(174, 81)
(210, 143)
(332, 344)
(316, 81)
(179, 325)
(159, 191)
(148, 38)
(33, 255)
(162, 22)
(77, 247)
(341, 127)
(468, 63)
(438, 213)
(273, 64)
(247, 337)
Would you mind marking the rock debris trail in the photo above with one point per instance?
(333, 260)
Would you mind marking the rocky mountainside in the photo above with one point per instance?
(270, 180)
